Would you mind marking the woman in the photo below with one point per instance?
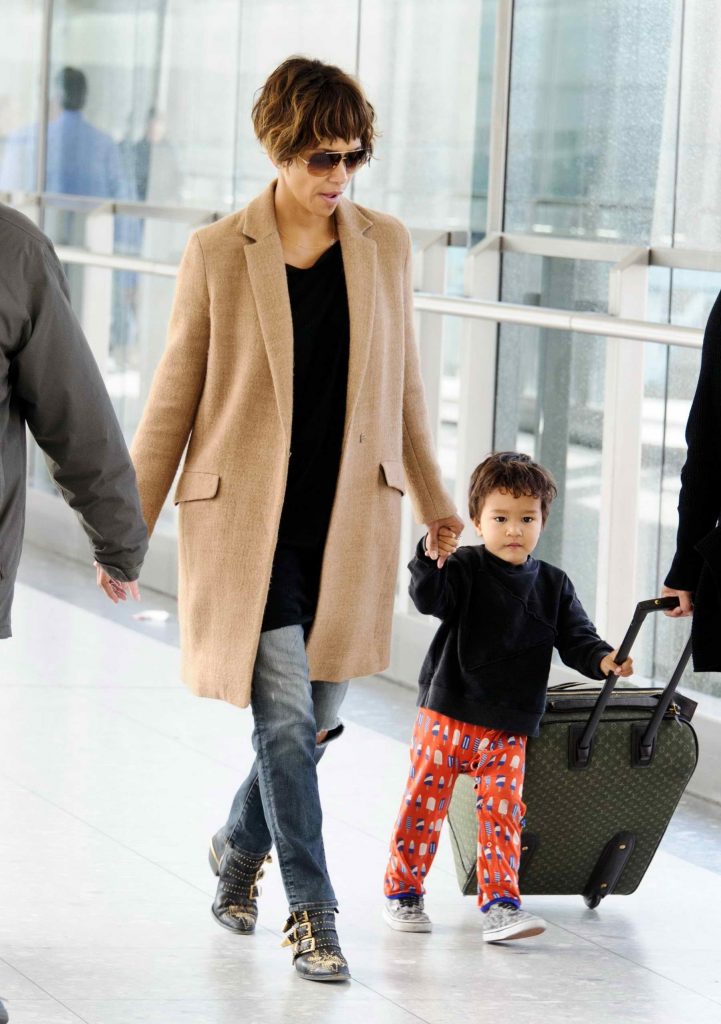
(291, 367)
(695, 574)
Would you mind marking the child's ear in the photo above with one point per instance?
(477, 527)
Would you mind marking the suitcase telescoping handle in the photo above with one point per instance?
(581, 738)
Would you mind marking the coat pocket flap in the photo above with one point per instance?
(194, 486)
(394, 475)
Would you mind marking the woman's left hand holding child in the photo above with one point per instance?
(447, 543)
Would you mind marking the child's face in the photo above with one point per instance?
(510, 527)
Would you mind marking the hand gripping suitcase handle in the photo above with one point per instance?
(580, 752)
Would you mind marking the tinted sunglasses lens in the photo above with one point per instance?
(321, 164)
(355, 160)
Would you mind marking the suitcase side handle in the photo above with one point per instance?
(581, 741)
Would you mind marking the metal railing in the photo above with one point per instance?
(598, 324)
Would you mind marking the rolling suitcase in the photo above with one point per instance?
(602, 781)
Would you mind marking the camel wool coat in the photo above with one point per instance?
(224, 388)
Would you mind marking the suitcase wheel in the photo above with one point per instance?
(593, 900)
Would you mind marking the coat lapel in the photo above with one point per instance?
(266, 270)
(359, 264)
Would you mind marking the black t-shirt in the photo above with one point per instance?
(321, 334)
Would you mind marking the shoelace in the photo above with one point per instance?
(411, 902)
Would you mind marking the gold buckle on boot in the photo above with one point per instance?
(300, 934)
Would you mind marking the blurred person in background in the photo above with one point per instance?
(82, 160)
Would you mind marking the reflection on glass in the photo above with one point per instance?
(433, 108)
(81, 158)
(591, 111)
(20, 98)
(698, 190)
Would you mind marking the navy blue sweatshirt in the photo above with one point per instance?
(489, 662)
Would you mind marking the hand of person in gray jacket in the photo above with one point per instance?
(116, 590)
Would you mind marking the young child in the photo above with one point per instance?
(483, 689)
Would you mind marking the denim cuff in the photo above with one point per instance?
(333, 734)
(246, 853)
(297, 907)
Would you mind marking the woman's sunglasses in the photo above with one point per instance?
(320, 164)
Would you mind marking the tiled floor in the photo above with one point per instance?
(112, 778)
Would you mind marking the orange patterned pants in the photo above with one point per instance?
(442, 748)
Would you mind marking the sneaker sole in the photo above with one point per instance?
(506, 934)
(406, 926)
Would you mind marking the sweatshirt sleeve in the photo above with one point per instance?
(434, 591)
(577, 641)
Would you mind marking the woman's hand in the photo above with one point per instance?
(685, 602)
(608, 665)
(115, 589)
(447, 544)
(454, 525)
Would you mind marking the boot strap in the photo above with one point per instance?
(304, 945)
(300, 934)
(296, 918)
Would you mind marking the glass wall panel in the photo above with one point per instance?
(158, 115)
(20, 92)
(613, 134)
(433, 108)
(698, 193)
(591, 97)
(550, 394)
(269, 33)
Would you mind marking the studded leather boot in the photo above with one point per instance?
(316, 949)
(236, 900)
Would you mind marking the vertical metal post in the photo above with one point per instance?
(477, 371)
(42, 142)
(429, 270)
(97, 292)
(621, 458)
(500, 103)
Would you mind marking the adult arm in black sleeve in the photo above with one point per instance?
(699, 503)
(433, 591)
(64, 401)
(577, 641)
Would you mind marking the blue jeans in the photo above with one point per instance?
(279, 804)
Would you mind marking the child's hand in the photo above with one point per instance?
(447, 544)
(608, 665)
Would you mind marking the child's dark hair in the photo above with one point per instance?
(515, 473)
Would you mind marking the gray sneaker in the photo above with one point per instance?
(506, 921)
(406, 914)
(4, 1018)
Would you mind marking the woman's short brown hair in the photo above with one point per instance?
(304, 101)
(514, 473)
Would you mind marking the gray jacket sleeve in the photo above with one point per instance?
(58, 385)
